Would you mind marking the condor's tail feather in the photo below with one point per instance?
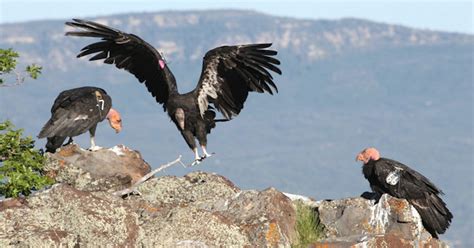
(435, 216)
(47, 129)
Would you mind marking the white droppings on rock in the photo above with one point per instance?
(416, 219)
(117, 150)
(306, 200)
(237, 194)
(379, 215)
(294, 197)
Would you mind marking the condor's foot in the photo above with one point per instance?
(94, 148)
(206, 155)
(196, 162)
(373, 196)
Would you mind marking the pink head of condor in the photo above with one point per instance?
(115, 120)
(368, 154)
(162, 63)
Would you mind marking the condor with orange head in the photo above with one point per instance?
(77, 111)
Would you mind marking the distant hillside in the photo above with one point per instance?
(347, 84)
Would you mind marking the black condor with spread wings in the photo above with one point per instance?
(228, 74)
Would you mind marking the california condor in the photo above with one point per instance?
(76, 111)
(387, 176)
(228, 74)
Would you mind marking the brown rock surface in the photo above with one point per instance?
(197, 210)
(105, 169)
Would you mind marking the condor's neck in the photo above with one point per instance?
(368, 169)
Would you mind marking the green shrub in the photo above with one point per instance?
(308, 227)
(20, 163)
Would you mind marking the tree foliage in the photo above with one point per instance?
(20, 163)
(8, 63)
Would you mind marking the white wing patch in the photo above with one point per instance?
(81, 117)
(209, 88)
(394, 177)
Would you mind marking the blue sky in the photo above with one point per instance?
(456, 16)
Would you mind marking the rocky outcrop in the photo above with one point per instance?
(197, 210)
(359, 222)
(102, 170)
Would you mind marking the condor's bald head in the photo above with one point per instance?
(115, 120)
(368, 154)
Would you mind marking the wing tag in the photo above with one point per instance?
(394, 177)
(100, 104)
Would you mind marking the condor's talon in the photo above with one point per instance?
(204, 151)
(196, 162)
(206, 155)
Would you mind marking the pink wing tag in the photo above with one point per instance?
(162, 63)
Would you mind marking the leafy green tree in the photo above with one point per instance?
(8, 63)
(21, 164)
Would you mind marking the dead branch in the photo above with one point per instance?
(20, 79)
(133, 188)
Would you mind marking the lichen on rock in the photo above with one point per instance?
(200, 209)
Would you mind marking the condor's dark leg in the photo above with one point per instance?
(92, 133)
(201, 136)
(70, 140)
(189, 138)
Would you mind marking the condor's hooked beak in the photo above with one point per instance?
(115, 120)
(359, 157)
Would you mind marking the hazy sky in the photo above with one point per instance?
(438, 15)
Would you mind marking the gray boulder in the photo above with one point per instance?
(102, 170)
(359, 222)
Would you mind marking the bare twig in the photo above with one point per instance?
(146, 177)
(20, 79)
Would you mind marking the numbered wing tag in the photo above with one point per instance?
(100, 104)
(394, 177)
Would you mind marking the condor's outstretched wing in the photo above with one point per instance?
(229, 73)
(75, 111)
(129, 52)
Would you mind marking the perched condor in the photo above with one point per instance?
(228, 74)
(398, 180)
(76, 111)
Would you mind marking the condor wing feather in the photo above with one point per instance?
(128, 52)
(75, 112)
(229, 73)
(411, 182)
(416, 189)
